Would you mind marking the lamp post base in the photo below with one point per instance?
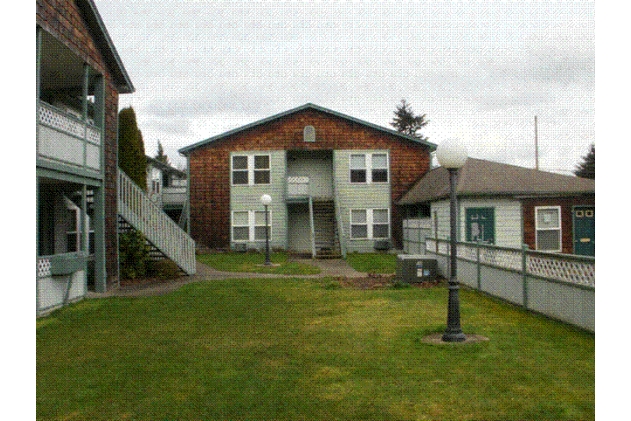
(456, 336)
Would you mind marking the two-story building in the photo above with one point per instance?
(79, 79)
(333, 179)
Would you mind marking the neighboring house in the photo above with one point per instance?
(166, 187)
(79, 79)
(508, 206)
(334, 181)
(83, 199)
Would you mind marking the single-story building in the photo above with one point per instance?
(508, 205)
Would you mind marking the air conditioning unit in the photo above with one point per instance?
(413, 268)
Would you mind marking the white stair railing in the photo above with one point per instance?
(141, 213)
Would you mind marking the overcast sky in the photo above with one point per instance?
(481, 71)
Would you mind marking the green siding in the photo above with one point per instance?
(357, 196)
(243, 198)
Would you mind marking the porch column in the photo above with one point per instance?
(98, 221)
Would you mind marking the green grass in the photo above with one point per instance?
(294, 349)
(383, 263)
(253, 262)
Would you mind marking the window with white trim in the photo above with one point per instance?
(250, 225)
(369, 168)
(369, 224)
(548, 228)
(250, 170)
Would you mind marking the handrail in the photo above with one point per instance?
(340, 229)
(141, 213)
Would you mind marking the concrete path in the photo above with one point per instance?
(328, 267)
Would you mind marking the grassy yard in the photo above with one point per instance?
(383, 263)
(253, 262)
(293, 349)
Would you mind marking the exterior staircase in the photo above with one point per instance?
(166, 239)
(327, 244)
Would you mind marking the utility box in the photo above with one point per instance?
(416, 268)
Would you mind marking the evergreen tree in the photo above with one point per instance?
(131, 148)
(161, 156)
(587, 168)
(406, 122)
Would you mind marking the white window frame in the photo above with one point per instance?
(368, 159)
(251, 157)
(559, 228)
(369, 224)
(251, 226)
(76, 228)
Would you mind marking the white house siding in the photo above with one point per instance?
(248, 198)
(508, 224)
(357, 196)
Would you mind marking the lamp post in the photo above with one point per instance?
(266, 200)
(452, 155)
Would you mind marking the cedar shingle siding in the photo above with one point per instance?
(67, 22)
(210, 163)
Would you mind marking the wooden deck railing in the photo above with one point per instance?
(141, 213)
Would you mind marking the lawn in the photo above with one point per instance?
(383, 263)
(254, 262)
(295, 349)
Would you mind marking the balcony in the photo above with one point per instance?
(173, 196)
(66, 140)
(298, 189)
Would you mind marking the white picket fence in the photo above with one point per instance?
(135, 207)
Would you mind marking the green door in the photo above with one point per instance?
(480, 225)
(584, 230)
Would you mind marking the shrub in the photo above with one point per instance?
(163, 269)
(133, 254)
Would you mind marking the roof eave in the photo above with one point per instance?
(123, 81)
(187, 149)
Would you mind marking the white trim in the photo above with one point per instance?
(368, 159)
(251, 226)
(250, 169)
(369, 224)
(559, 228)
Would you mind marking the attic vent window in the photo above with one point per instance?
(309, 134)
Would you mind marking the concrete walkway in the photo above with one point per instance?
(328, 268)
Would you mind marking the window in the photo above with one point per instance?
(480, 225)
(240, 226)
(249, 226)
(259, 225)
(370, 224)
(359, 224)
(369, 168)
(358, 168)
(379, 168)
(239, 170)
(261, 169)
(548, 228)
(248, 170)
(74, 236)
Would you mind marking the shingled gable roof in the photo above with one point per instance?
(106, 46)
(479, 177)
(187, 149)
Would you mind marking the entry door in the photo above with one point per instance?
(584, 230)
(480, 225)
